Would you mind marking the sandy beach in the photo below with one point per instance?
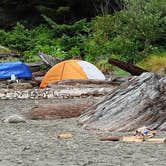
(35, 143)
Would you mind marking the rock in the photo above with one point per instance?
(14, 119)
(139, 102)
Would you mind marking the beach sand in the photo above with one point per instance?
(35, 143)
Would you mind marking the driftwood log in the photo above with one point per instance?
(139, 102)
(129, 67)
(64, 92)
(9, 54)
(48, 59)
(79, 82)
(133, 139)
(58, 111)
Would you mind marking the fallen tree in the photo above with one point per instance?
(129, 67)
(136, 103)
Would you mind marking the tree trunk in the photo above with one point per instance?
(139, 102)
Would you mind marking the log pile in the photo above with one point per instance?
(136, 103)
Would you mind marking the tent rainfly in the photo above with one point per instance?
(72, 69)
(19, 69)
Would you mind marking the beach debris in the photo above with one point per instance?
(110, 138)
(133, 139)
(123, 138)
(65, 136)
(145, 131)
(141, 134)
(14, 119)
(25, 148)
(156, 140)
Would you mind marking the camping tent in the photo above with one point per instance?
(19, 69)
(72, 69)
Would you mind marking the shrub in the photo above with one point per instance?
(154, 63)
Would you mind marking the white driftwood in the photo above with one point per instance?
(58, 93)
(139, 102)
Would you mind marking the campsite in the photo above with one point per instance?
(82, 83)
(49, 113)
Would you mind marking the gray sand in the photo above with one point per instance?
(35, 143)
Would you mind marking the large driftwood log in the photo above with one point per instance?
(132, 69)
(59, 110)
(139, 102)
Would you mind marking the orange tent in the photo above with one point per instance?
(72, 69)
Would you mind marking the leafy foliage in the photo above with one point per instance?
(131, 34)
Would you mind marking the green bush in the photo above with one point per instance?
(155, 63)
(129, 35)
(142, 23)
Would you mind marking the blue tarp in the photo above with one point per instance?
(19, 69)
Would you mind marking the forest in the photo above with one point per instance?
(93, 30)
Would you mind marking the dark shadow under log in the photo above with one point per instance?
(136, 103)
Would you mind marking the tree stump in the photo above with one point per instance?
(136, 103)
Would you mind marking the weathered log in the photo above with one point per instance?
(49, 60)
(119, 79)
(129, 67)
(57, 93)
(9, 54)
(156, 140)
(38, 73)
(35, 66)
(110, 138)
(79, 82)
(58, 111)
(133, 139)
(139, 102)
